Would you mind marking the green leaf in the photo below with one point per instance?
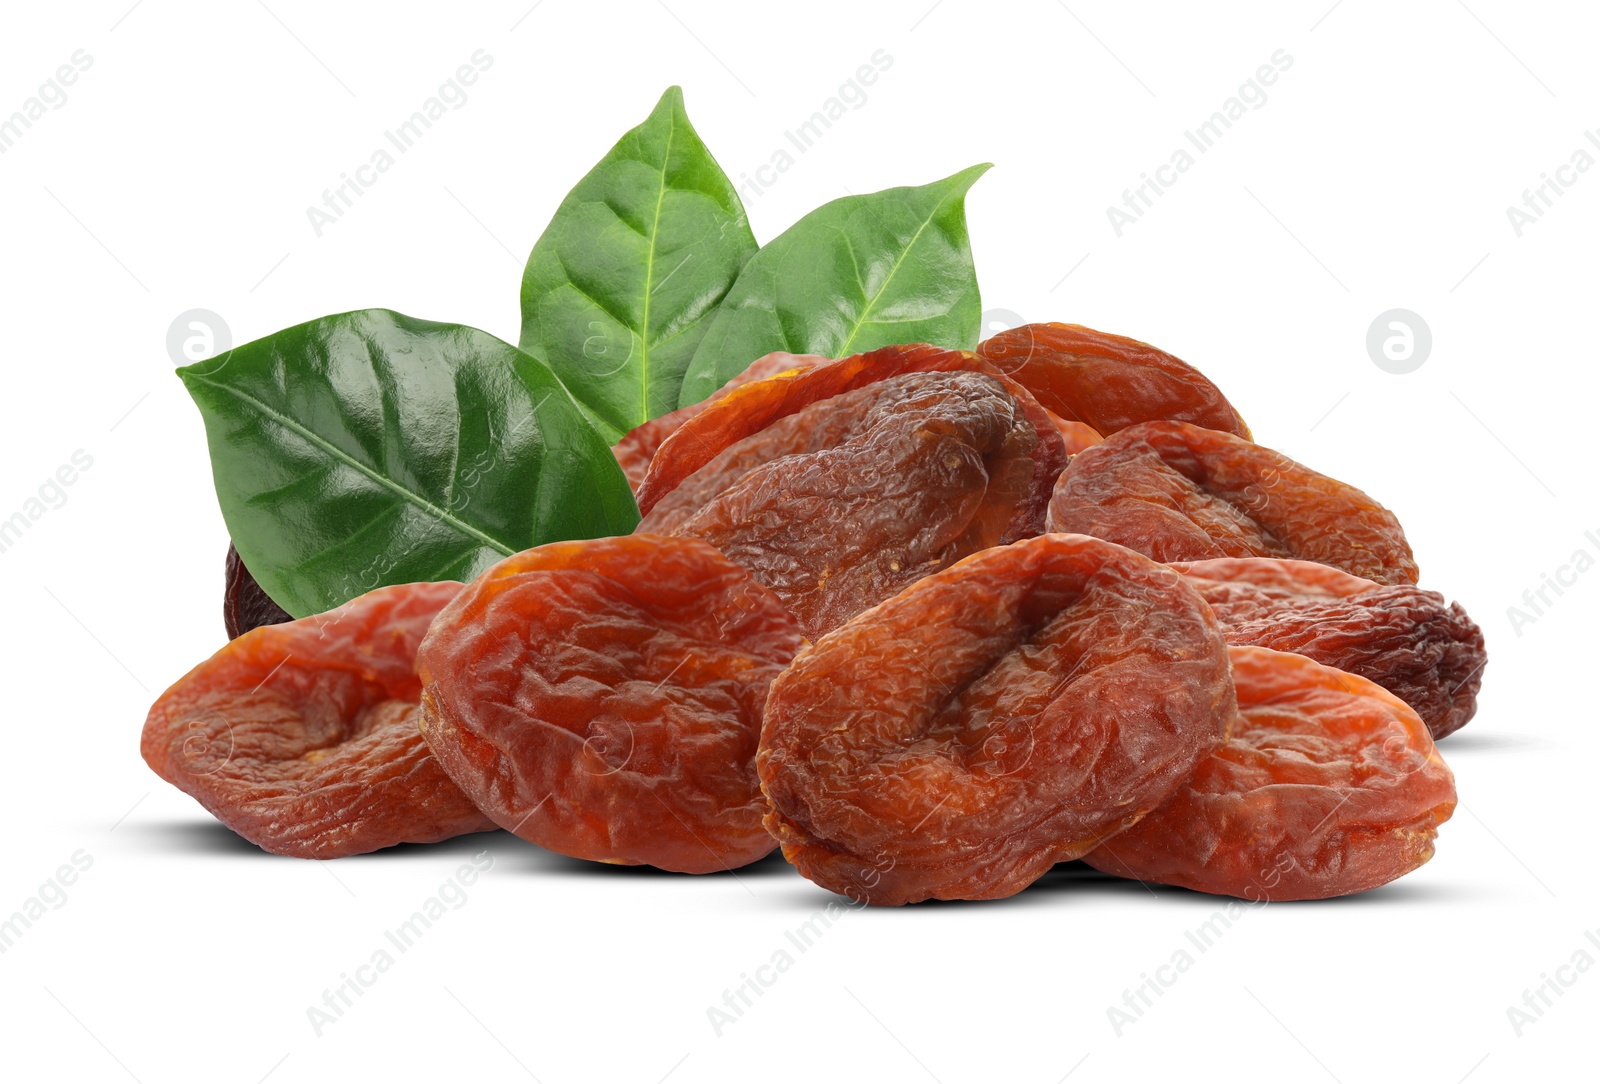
(851, 276)
(620, 287)
(370, 449)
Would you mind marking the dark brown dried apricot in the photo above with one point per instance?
(603, 699)
(839, 506)
(302, 737)
(1177, 492)
(245, 605)
(1429, 654)
(1328, 785)
(747, 410)
(993, 719)
(638, 447)
(1106, 381)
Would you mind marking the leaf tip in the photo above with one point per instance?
(201, 369)
(671, 98)
(967, 177)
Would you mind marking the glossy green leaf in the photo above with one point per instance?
(370, 449)
(853, 275)
(621, 286)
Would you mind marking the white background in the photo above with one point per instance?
(1377, 175)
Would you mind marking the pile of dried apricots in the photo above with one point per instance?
(930, 620)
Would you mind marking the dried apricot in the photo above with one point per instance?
(603, 699)
(635, 450)
(245, 605)
(1075, 435)
(302, 737)
(1106, 381)
(1429, 654)
(746, 411)
(995, 718)
(1178, 492)
(841, 505)
(1328, 785)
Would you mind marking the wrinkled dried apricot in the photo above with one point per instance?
(245, 605)
(635, 450)
(603, 699)
(839, 506)
(1429, 654)
(1328, 785)
(302, 737)
(991, 720)
(749, 409)
(1177, 492)
(1106, 381)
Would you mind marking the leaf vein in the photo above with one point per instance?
(336, 453)
(872, 303)
(649, 276)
